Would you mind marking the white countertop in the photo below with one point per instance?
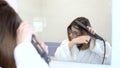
(65, 64)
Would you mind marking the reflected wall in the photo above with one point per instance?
(56, 15)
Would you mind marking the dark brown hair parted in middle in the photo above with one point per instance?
(84, 21)
(9, 22)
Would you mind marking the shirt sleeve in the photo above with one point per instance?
(98, 47)
(63, 52)
(26, 56)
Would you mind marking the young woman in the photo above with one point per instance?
(9, 22)
(81, 47)
(16, 49)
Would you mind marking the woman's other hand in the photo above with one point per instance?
(79, 40)
(44, 46)
(24, 32)
(91, 30)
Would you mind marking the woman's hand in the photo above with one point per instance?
(82, 39)
(44, 46)
(79, 40)
(24, 33)
(92, 31)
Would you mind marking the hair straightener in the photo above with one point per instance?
(39, 49)
(86, 29)
(92, 35)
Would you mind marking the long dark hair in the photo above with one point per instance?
(84, 21)
(9, 22)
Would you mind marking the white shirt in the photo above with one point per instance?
(94, 54)
(26, 56)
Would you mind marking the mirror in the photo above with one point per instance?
(51, 18)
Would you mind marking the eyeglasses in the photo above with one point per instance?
(74, 33)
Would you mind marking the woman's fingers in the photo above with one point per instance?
(44, 46)
(24, 32)
(91, 30)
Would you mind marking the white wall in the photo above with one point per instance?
(13, 3)
(58, 14)
(28, 9)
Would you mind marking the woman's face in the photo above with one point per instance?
(73, 33)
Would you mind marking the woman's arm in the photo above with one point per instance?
(97, 45)
(26, 56)
(63, 52)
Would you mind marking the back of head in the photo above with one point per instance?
(9, 22)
